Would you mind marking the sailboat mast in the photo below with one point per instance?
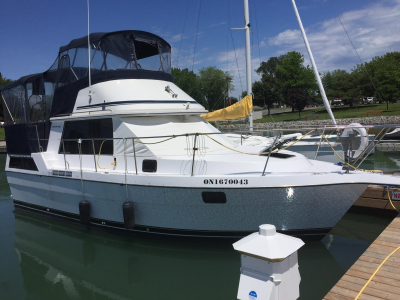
(321, 87)
(248, 59)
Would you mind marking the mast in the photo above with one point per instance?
(248, 59)
(321, 87)
(89, 56)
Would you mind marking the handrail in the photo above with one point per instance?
(197, 134)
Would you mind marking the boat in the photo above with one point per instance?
(118, 146)
(393, 136)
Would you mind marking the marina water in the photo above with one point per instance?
(41, 258)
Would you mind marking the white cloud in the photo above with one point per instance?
(218, 24)
(374, 30)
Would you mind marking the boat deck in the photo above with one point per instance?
(386, 283)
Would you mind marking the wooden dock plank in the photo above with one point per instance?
(377, 197)
(386, 283)
(375, 285)
(333, 296)
(377, 278)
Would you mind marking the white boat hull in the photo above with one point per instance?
(177, 209)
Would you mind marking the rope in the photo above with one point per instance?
(376, 271)
(98, 158)
(237, 64)
(197, 32)
(344, 160)
(238, 151)
(391, 200)
(183, 33)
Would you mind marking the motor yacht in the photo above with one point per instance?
(85, 143)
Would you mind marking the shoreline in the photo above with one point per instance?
(296, 124)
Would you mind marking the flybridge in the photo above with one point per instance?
(126, 54)
(30, 102)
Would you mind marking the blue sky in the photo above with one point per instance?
(32, 31)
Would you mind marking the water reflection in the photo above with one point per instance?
(45, 259)
(61, 259)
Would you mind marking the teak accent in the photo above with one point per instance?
(376, 197)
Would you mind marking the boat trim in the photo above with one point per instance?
(130, 113)
(183, 187)
(135, 102)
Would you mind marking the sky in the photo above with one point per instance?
(31, 32)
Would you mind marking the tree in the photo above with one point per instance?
(266, 91)
(281, 74)
(298, 98)
(232, 100)
(189, 82)
(4, 81)
(337, 84)
(243, 94)
(386, 71)
(292, 74)
(269, 67)
(213, 86)
(269, 89)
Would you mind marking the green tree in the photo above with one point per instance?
(337, 84)
(298, 98)
(386, 71)
(213, 86)
(281, 74)
(291, 73)
(269, 89)
(189, 82)
(232, 100)
(243, 94)
(4, 81)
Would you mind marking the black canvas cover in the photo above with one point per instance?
(20, 81)
(17, 139)
(97, 36)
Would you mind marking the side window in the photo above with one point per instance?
(14, 105)
(101, 131)
(34, 92)
(66, 74)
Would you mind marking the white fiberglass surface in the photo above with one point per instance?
(167, 126)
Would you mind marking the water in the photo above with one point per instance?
(45, 259)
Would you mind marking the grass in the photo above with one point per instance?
(2, 134)
(340, 112)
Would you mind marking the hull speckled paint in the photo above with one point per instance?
(288, 208)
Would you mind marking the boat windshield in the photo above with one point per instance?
(119, 51)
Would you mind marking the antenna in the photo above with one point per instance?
(88, 38)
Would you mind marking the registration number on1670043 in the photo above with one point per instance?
(226, 181)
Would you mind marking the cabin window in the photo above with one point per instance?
(100, 130)
(14, 105)
(66, 74)
(165, 58)
(50, 82)
(34, 92)
(24, 163)
(149, 165)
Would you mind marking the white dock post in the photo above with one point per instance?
(269, 268)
